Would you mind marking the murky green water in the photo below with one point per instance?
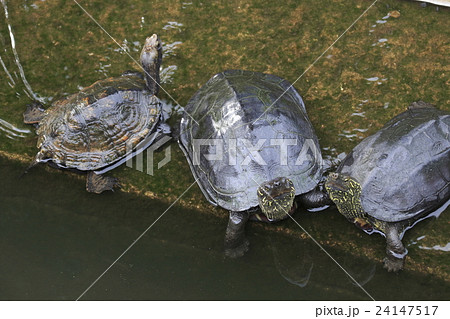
(56, 239)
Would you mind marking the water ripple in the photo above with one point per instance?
(173, 25)
(167, 73)
(437, 247)
(169, 48)
(29, 90)
(12, 131)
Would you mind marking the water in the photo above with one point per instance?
(56, 239)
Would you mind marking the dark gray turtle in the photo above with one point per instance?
(270, 153)
(103, 125)
(396, 177)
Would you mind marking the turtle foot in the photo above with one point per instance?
(393, 264)
(97, 183)
(236, 244)
(239, 251)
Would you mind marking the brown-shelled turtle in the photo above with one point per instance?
(396, 177)
(103, 125)
(270, 152)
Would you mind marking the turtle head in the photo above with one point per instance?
(276, 198)
(345, 192)
(151, 57)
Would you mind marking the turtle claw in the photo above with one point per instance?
(239, 251)
(97, 183)
(393, 264)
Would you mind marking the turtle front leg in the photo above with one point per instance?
(96, 183)
(236, 244)
(395, 251)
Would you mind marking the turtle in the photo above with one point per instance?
(272, 153)
(396, 177)
(104, 124)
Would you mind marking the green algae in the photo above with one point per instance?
(62, 49)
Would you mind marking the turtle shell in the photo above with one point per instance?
(232, 132)
(404, 168)
(100, 125)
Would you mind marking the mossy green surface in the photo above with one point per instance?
(61, 49)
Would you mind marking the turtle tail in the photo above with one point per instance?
(37, 159)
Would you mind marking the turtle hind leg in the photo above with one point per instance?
(395, 251)
(236, 244)
(34, 113)
(420, 105)
(96, 183)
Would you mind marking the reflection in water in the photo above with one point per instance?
(293, 260)
(12, 131)
(362, 270)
